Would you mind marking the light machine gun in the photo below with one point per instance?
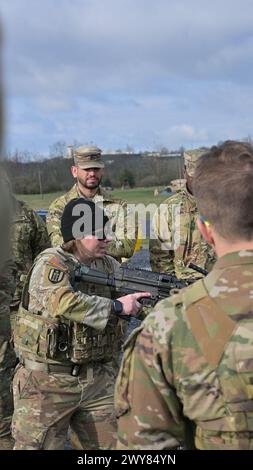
(128, 281)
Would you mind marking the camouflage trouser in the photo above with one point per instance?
(7, 363)
(13, 314)
(47, 404)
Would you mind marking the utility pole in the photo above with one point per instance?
(40, 184)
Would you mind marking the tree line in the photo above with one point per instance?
(135, 170)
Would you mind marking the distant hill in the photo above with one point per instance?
(133, 169)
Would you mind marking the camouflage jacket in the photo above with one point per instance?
(6, 212)
(123, 222)
(53, 295)
(177, 240)
(7, 288)
(29, 238)
(191, 362)
(7, 266)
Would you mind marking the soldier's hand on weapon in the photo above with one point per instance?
(130, 303)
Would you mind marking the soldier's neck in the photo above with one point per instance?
(222, 247)
(83, 258)
(87, 192)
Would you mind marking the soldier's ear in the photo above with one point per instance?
(205, 230)
(74, 171)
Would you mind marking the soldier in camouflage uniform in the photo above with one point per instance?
(29, 238)
(189, 367)
(178, 184)
(88, 170)
(69, 336)
(7, 287)
(177, 241)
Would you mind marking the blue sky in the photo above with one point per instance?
(145, 73)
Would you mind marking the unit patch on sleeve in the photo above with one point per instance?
(55, 275)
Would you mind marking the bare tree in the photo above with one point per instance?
(58, 149)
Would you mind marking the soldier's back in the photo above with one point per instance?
(212, 329)
(177, 240)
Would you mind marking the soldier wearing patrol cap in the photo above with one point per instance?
(28, 238)
(176, 240)
(88, 170)
(69, 334)
(187, 378)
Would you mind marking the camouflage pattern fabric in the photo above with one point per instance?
(177, 185)
(47, 403)
(29, 238)
(191, 158)
(6, 210)
(178, 241)
(7, 354)
(7, 287)
(191, 362)
(124, 228)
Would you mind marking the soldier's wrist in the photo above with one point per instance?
(116, 307)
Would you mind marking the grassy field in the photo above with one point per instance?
(134, 196)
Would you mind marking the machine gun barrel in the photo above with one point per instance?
(127, 281)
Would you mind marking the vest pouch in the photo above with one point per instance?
(36, 334)
(90, 346)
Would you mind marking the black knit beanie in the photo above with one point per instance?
(82, 217)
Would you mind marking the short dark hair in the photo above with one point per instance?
(223, 187)
(69, 246)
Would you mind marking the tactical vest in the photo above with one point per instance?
(192, 247)
(60, 340)
(221, 404)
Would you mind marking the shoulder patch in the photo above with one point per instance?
(55, 275)
(57, 263)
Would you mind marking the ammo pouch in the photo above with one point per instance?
(87, 345)
(51, 339)
(36, 334)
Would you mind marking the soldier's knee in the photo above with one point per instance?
(99, 432)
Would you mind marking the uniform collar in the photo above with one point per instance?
(234, 259)
(190, 197)
(230, 260)
(100, 195)
(66, 255)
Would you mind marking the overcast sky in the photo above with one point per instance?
(146, 73)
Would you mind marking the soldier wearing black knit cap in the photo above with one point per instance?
(73, 356)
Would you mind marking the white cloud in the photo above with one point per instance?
(186, 133)
(177, 71)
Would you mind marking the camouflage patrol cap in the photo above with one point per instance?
(88, 156)
(191, 157)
